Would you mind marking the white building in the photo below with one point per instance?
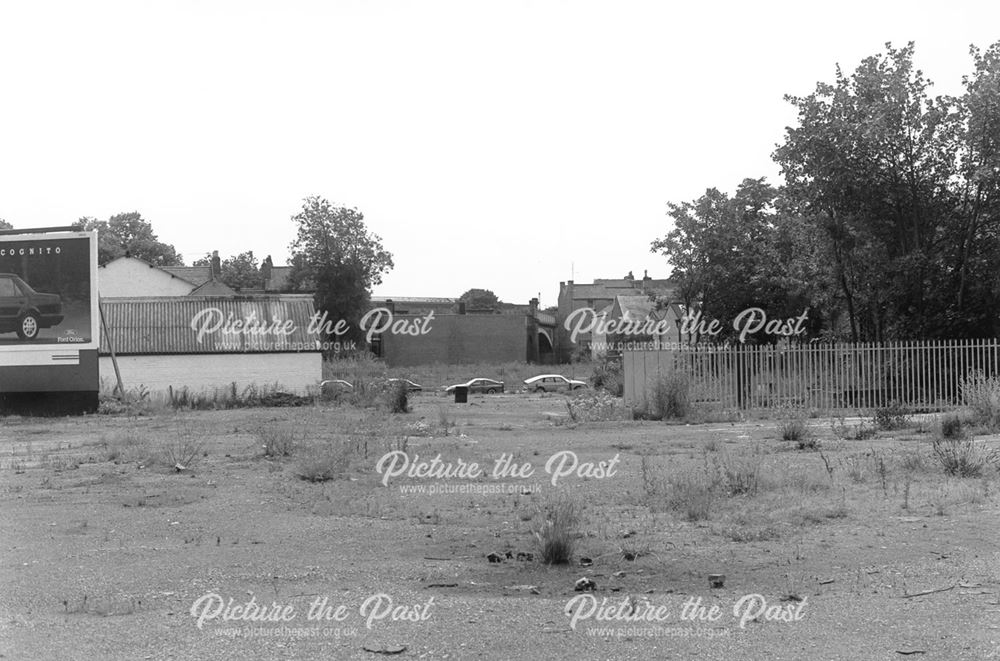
(180, 327)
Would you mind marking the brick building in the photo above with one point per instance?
(600, 297)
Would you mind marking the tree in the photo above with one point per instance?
(903, 189)
(129, 234)
(334, 254)
(4, 225)
(888, 222)
(480, 299)
(733, 253)
(239, 271)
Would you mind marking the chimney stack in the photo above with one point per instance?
(216, 265)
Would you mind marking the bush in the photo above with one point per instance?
(952, 427)
(555, 533)
(890, 417)
(963, 457)
(608, 375)
(691, 494)
(326, 462)
(397, 397)
(670, 397)
(232, 397)
(596, 406)
(858, 432)
(982, 395)
(738, 472)
(795, 428)
(276, 441)
(184, 451)
(128, 447)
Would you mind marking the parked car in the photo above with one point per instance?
(25, 311)
(410, 385)
(553, 383)
(332, 386)
(480, 385)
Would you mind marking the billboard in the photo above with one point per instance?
(48, 295)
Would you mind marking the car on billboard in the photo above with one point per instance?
(25, 311)
(552, 383)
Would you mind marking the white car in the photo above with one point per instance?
(334, 386)
(553, 383)
(485, 386)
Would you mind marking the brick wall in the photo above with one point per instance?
(460, 339)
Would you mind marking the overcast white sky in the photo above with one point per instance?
(504, 145)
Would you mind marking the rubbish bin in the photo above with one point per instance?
(461, 394)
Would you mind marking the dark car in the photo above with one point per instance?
(25, 311)
(486, 386)
(410, 385)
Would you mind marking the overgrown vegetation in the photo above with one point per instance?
(692, 494)
(889, 418)
(963, 457)
(609, 376)
(277, 441)
(794, 427)
(669, 397)
(555, 529)
(859, 432)
(596, 406)
(397, 397)
(952, 427)
(982, 394)
(234, 397)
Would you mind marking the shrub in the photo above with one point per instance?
(397, 397)
(982, 395)
(276, 441)
(738, 472)
(858, 432)
(608, 375)
(128, 447)
(324, 462)
(951, 427)
(232, 397)
(184, 451)
(596, 406)
(963, 457)
(795, 428)
(669, 396)
(890, 417)
(912, 462)
(691, 494)
(555, 532)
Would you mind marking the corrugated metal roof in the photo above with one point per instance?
(208, 324)
(412, 299)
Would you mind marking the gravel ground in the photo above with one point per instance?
(105, 560)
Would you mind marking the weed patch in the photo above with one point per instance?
(557, 520)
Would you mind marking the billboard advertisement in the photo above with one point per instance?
(48, 292)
